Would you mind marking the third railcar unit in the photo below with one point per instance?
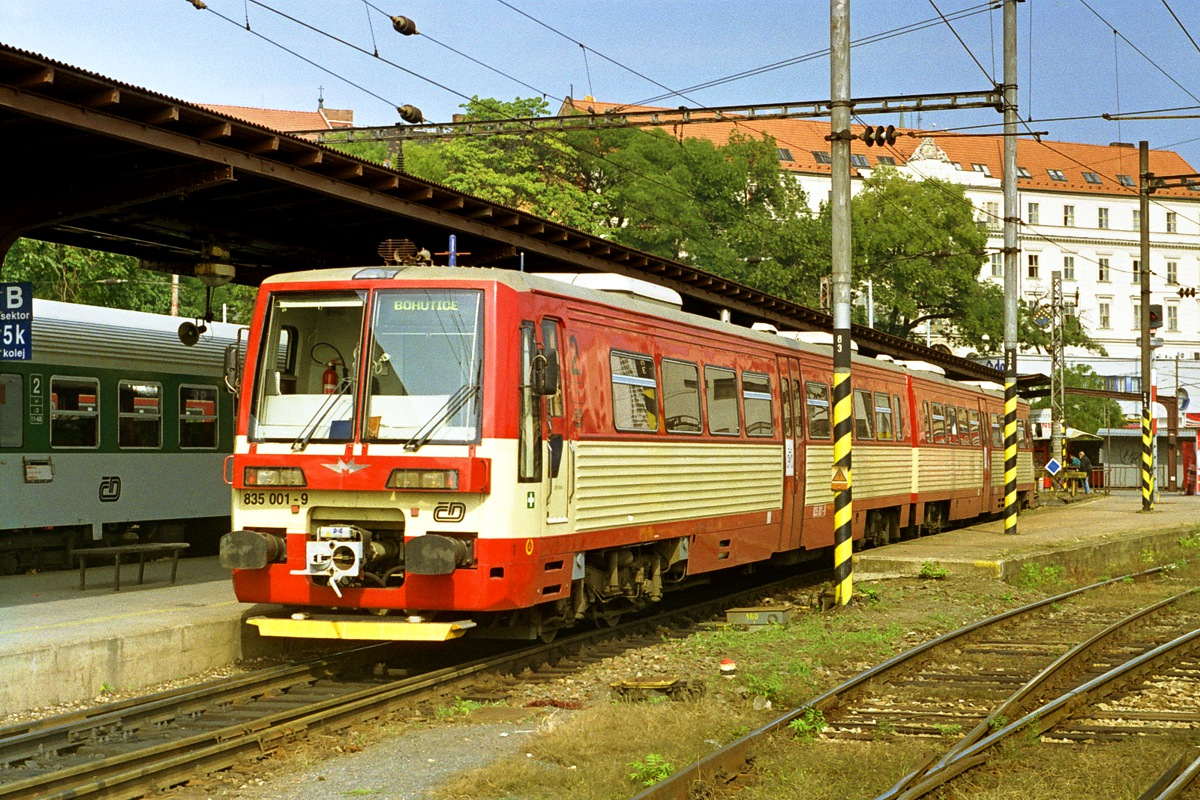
(475, 448)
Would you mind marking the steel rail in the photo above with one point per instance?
(1051, 713)
(163, 764)
(1014, 705)
(1174, 781)
(730, 759)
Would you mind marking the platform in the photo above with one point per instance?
(1091, 536)
(59, 644)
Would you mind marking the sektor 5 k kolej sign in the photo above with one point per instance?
(16, 321)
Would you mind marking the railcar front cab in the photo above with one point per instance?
(348, 471)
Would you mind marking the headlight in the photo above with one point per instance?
(423, 479)
(274, 476)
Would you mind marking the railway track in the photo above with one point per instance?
(1009, 674)
(143, 745)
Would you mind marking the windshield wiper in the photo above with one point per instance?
(310, 427)
(452, 406)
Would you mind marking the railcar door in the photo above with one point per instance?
(791, 408)
(559, 471)
(985, 438)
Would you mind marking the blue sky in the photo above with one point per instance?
(1072, 63)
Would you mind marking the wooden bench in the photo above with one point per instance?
(115, 553)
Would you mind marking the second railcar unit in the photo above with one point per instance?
(114, 431)
(475, 448)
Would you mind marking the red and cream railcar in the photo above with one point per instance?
(472, 448)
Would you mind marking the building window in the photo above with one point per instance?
(1069, 308)
(890, 161)
(1023, 173)
(1068, 216)
(858, 160)
(1102, 218)
(1033, 265)
(991, 216)
(822, 156)
(1068, 268)
(784, 154)
(1137, 270)
(1172, 272)
(1091, 177)
(1102, 273)
(1172, 222)
(982, 168)
(1125, 180)
(1173, 318)
(1056, 175)
(997, 265)
(1034, 212)
(1105, 314)
(1137, 219)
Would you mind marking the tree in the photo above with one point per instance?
(75, 275)
(1088, 414)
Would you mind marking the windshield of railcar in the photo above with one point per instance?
(425, 370)
(308, 367)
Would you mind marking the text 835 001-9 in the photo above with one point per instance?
(275, 498)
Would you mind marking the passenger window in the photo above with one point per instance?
(681, 396)
(939, 423)
(785, 392)
(12, 411)
(951, 424)
(139, 415)
(756, 398)
(816, 397)
(720, 390)
(975, 434)
(634, 392)
(883, 417)
(197, 417)
(899, 417)
(964, 428)
(862, 415)
(529, 424)
(74, 412)
(997, 431)
(928, 420)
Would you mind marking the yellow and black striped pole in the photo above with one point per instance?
(1147, 454)
(1010, 441)
(840, 137)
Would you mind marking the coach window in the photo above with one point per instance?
(74, 412)
(899, 417)
(681, 396)
(883, 417)
(785, 410)
(197, 417)
(756, 399)
(12, 411)
(634, 392)
(928, 420)
(964, 427)
(997, 431)
(862, 415)
(139, 415)
(939, 423)
(816, 400)
(951, 424)
(976, 436)
(720, 389)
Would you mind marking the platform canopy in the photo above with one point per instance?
(99, 164)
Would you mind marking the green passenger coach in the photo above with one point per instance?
(115, 432)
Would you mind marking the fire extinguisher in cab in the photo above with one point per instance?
(329, 379)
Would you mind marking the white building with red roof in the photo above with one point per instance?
(1079, 212)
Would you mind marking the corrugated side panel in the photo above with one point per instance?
(878, 472)
(638, 483)
(998, 468)
(944, 469)
(1024, 466)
